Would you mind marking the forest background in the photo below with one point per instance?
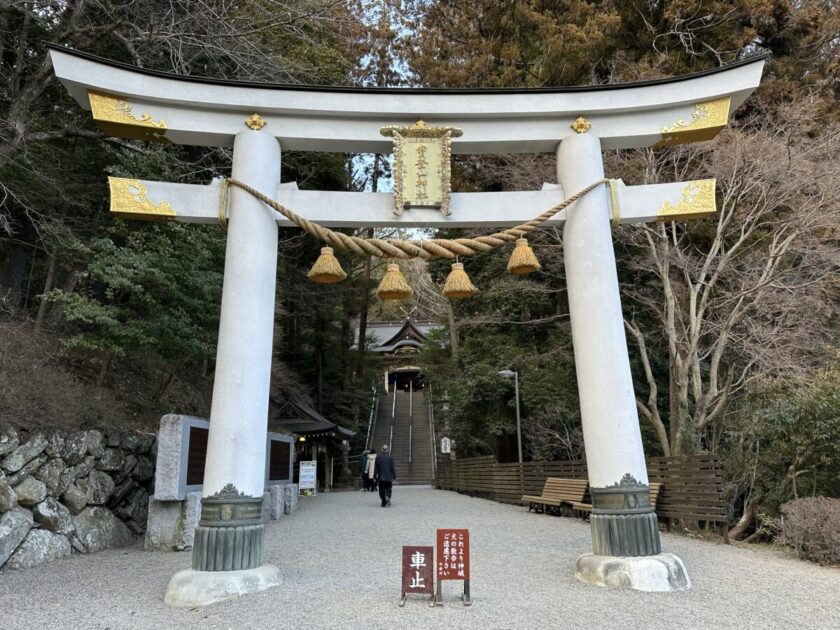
(732, 321)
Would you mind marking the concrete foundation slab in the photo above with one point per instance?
(661, 573)
(189, 588)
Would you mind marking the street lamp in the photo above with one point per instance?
(510, 374)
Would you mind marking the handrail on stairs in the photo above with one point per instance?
(410, 426)
(374, 408)
(393, 411)
(432, 431)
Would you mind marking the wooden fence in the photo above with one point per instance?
(692, 487)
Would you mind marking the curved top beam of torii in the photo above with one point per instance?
(135, 102)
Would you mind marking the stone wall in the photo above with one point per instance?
(71, 492)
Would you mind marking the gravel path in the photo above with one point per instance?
(340, 556)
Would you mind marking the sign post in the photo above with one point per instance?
(308, 477)
(453, 560)
(417, 573)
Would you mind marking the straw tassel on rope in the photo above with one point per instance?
(523, 260)
(458, 284)
(393, 285)
(327, 269)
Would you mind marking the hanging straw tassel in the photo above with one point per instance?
(393, 285)
(458, 284)
(327, 269)
(523, 260)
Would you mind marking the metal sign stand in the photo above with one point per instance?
(432, 600)
(403, 597)
(437, 600)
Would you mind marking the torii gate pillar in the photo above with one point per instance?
(625, 530)
(227, 554)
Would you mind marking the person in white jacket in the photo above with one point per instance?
(371, 470)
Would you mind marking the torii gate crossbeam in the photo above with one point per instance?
(157, 106)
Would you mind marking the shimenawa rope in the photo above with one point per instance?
(426, 249)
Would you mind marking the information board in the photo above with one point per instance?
(308, 475)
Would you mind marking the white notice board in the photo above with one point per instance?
(308, 475)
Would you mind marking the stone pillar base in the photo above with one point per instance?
(661, 573)
(190, 588)
(229, 536)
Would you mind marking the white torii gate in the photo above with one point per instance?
(257, 120)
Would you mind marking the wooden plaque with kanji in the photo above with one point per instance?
(453, 554)
(417, 570)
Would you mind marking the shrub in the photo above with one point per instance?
(812, 527)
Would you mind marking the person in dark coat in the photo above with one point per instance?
(385, 475)
(363, 470)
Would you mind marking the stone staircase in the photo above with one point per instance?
(415, 467)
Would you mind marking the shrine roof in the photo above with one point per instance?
(391, 335)
(136, 102)
(299, 418)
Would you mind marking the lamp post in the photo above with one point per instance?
(510, 374)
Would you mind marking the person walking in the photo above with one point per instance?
(363, 459)
(385, 475)
(370, 470)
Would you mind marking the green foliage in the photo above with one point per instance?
(784, 441)
(148, 288)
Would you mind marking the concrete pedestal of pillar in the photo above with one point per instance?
(190, 588)
(663, 572)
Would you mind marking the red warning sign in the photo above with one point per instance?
(453, 554)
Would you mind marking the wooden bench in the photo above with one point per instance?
(556, 493)
(586, 508)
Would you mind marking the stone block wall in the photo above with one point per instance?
(71, 492)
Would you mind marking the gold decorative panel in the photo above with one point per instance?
(129, 200)
(706, 121)
(698, 202)
(116, 117)
(422, 168)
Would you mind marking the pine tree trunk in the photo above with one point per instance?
(361, 342)
(453, 329)
(69, 285)
(105, 364)
(12, 276)
(163, 385)
(42, 307)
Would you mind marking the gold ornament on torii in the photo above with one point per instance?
(422, 165)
